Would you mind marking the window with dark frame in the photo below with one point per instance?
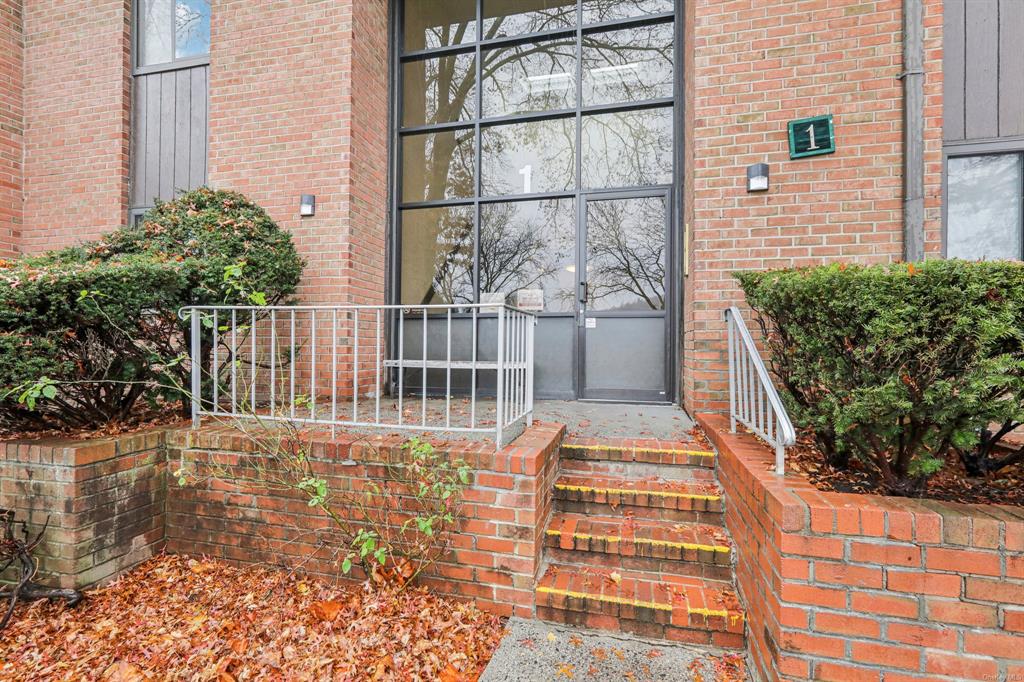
(172, 31)
(985, 206)
(510, 109)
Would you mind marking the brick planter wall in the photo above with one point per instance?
(104, 500)
(496, 553)
(864, 587)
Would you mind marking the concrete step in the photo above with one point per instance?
(677, 608)
(648, 498)
(646, 450)
(592, 467)
(662, 547)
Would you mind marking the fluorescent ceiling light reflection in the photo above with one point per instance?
(603, 70)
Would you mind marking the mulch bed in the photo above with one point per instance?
(143, 420)
(952, 484)
(181, 618)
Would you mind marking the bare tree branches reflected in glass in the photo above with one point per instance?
(437, 255)
(626, 254)
(530, 245)
(504, 18)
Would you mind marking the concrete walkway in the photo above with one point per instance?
(535, 651)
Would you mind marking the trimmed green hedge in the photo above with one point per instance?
(88, 331)
(896, 365)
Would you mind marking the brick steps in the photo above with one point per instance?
(662, 547)
(655, 498)
(594, 467)
(678, 608)
(646, 450)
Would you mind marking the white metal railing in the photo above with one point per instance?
(329, 365)
(753, 400)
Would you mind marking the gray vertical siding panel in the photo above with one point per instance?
(1011, 68)
(982, 87)
(197, 166)
(169, 133)
(152, 147)
(182, 125)
(138, 149)
(953, 64)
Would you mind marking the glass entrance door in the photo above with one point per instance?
(622, 296)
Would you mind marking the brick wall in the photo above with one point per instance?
(857, 587)
(104, 500)
(298, 102)
(11, 125)
(77, 109)
(757, 65)
(495, 555)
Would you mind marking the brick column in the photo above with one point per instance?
(298, 105)
(757, 65)
(12, 147)
(77, 112)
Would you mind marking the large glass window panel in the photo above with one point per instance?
(626, 254)
(439, 90)
(437, 165)
(429, 23)
(515, 17)
(191, 28)
(527, 252)
(530, 77)
(597, 11)
(627, 148)
(523, 158)
(155, 34)
(437, 255)
(628, 65)
(984, 210)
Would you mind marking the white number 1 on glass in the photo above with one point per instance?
(810, 132)
(527, 173)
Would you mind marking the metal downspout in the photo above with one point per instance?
(913, 130)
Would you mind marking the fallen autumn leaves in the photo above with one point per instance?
(187, 619)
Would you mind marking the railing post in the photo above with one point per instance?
(780, 458)
(732, 372)
(529, 369)
(197, 368)
(500, 402)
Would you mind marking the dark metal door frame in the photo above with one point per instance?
(641, 396)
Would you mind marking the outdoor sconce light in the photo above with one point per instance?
(757, 177)
(307, 205)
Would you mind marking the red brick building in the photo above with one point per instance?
(469, 149)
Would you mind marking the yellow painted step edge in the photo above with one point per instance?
(612, 599)
(606, 598)
(646, 541)
(640, 448)
(626, 491)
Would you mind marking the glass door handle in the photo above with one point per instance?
(583, 292)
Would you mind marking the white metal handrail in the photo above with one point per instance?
(324, 364)
(753, 400)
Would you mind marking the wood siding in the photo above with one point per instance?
(169, 133)
(983, 69)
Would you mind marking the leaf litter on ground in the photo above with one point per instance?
(181, 618)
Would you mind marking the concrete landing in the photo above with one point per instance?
(537, 652)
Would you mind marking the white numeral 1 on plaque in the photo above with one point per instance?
(814, 144)
(527, 173)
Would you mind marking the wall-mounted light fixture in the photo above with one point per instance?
(307, 205)
(757, 177)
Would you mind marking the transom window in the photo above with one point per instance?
(985, 207)
(509, 111)
(172, 30)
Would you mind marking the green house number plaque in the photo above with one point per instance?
(811, 136)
